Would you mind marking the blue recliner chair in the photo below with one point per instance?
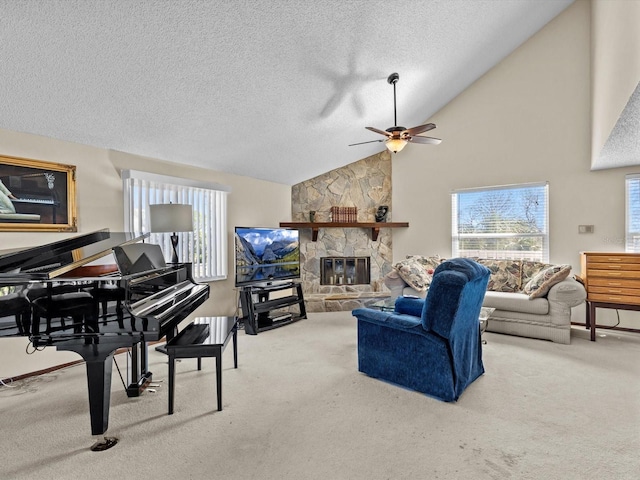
(430, 345)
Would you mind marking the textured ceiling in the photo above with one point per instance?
(271, 89)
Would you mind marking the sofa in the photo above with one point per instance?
(531, 299)
(432, 346)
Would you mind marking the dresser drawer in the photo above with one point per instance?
(614, 266)
(612, 258)
(611, 298)
(613, 282)
(615, 290)
(630, 274)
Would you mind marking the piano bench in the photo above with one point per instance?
(78, 305)
(205, 337)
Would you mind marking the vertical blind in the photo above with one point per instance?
(632, 214)
(505, 222)
(206, 246)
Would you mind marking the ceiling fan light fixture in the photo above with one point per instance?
(395, 144)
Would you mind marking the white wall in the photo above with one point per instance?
(615, 67)
(526, 120)
(100, 205)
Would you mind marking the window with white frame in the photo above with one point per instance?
(206, 246)
(505, 222)
(632, 215)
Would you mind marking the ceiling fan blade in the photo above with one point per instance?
(429, 140)
(419, 129)
(381, 132)
(362, 143)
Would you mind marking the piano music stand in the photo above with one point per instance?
(138, 258)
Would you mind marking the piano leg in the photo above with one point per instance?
(98, 359)
(99, 364)
(99, 382)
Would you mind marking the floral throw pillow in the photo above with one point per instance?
(427, 262)
(541, 282)
(414, 274)
(505, 274)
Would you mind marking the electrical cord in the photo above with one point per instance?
(608, 327)
(34, 348)
(616, 324)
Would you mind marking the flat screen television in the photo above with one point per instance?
(265, 255)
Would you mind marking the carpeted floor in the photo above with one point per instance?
(297, 408)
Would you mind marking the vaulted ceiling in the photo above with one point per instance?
(271, 89)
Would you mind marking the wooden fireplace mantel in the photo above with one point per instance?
(316, 226)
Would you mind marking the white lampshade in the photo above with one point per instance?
(171, 217)
(395, 144)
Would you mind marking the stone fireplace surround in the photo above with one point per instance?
(365, 184)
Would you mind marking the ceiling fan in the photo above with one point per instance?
(398, 137)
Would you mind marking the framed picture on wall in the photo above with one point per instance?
(37, 196)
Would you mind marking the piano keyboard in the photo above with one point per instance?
(46, 201)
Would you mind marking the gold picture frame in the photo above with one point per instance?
(37, 196)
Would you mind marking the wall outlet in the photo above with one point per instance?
(585, 228)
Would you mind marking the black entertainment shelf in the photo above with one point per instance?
(258, 309)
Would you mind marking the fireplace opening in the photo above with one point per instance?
(345, 270)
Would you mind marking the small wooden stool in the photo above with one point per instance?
(205, 337)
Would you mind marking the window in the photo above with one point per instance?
(206, 246)
(632, 240)
(507, 222)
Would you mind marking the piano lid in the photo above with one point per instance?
(54, 259)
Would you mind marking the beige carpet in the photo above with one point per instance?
(297, 408)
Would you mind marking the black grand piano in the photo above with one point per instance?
(62, 295)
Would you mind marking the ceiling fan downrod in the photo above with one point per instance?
(393, 79)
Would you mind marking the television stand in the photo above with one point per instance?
(259, 310)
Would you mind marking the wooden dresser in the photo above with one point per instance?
(612, 280)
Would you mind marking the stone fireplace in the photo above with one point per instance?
(365, 184)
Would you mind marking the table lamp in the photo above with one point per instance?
(171, 217)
